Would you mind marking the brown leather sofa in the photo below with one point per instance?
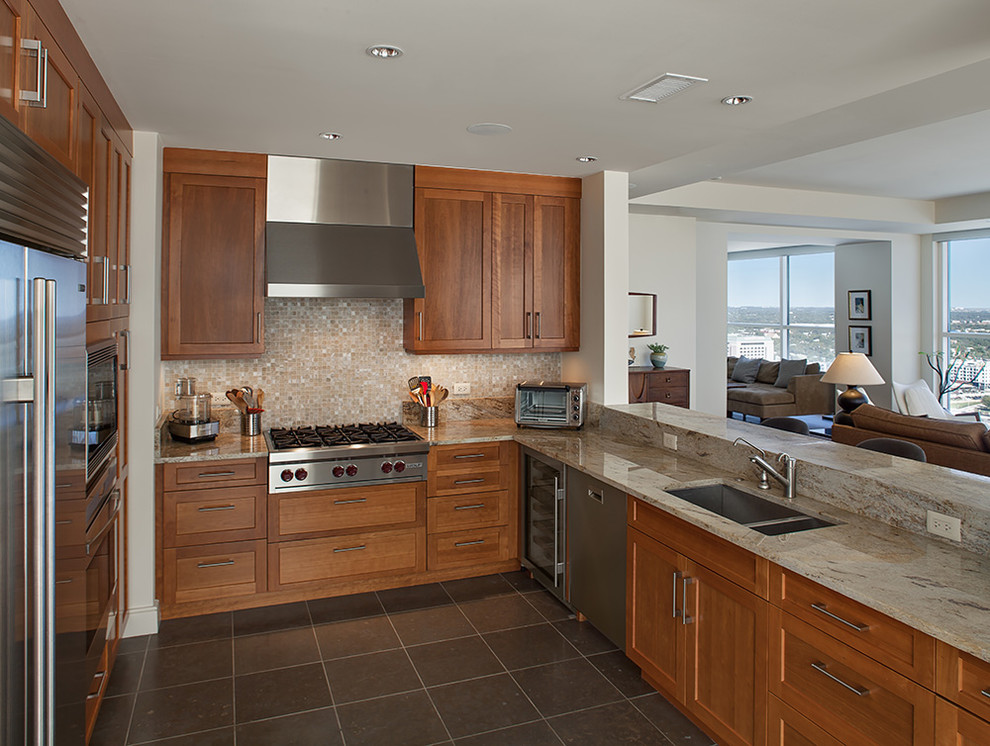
(957, 445)
(805, 394)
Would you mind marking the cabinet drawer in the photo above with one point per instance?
(470, 511)
(964, 679)
(296, 563)
(956, 727)
(676, 396)
(205, 573)
(906, 650)
(467, 456)
(787, 727)
(297, 515)
(222, 473)
(469, 547)
(845, 692)
(210, 516)
(481, 479)
(660, 380)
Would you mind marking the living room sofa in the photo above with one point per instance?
(957, 445)
(804, 394)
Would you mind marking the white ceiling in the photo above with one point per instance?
(842, 77)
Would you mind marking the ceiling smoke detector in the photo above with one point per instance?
(736, 100)
(663, 87)
(384, 51)
(489, 128)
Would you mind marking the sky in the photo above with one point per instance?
(755, 282)
(969, 273)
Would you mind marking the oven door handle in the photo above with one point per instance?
(114, 503)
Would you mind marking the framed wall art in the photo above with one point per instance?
(860, 305)
(861, 339)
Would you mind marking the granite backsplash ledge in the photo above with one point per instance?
(339, 360)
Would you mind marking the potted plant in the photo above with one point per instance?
(658, 355)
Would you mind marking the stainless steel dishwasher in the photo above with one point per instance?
(596, 541)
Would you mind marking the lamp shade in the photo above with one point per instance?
(852, 369)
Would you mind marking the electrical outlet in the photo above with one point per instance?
(945, 526)
(670, 441)
(462, 389)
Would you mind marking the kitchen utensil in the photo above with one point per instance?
(259, 398)
(239, 403)
(248, 394)
(428, 416)
(414, 383)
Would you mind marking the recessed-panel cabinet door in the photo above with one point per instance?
(123, 277)
(512, 276)
(556, 272)
(10, 35)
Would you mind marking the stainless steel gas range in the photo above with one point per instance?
(322, 457)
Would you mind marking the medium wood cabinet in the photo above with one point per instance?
(956, 727)
(213, 255)
(500, 257)
(11, 15)
(665, 385)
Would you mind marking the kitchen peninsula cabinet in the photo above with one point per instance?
(500, 257)
(213, 254)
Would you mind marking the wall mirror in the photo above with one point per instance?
(642, 314)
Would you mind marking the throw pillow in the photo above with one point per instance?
(746, 370)
(789, 369)
(768, 372)
(730, 364)
(813, 368)
(921, 400)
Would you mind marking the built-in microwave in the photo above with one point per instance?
(95, 428)
(551, 404)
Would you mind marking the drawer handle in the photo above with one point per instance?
(468, 543)
(985, 692)
(203, 565)
(468, 481)
(67, 522)
(350, 549)
(350, 502)
(667, 395)
(217, 474)
(469, 507)
(470, 455)
(826, 612)
(69, 580)
(858, 690)
(214, 508)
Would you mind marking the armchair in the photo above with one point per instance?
(917, 399)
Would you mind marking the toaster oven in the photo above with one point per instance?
(546, 404)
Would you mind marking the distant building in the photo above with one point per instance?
(752, 347)
(971, 368)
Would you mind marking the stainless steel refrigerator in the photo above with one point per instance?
(43, 375)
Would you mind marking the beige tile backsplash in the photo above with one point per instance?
(340, 360)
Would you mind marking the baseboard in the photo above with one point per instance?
(141, 621)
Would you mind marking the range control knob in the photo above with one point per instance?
(400, 466)
(386, 467)
(286, 475)
(301, 474)
(338, 471)
(351, 470)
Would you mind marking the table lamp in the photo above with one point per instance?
(852, 369)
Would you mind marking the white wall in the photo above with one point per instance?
(146, 201)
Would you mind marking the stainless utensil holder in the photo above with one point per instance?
(250, 423)
(428, 416)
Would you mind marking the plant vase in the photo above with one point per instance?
(659, 359)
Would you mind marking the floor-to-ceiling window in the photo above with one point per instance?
(966, 328)
(781, 304)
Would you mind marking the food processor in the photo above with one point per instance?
(191, 422)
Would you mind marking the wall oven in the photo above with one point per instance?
(101, 570)
(95, 429)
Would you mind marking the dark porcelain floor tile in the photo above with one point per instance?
(618, 723)
(522, 581)
(280, 692)
(186, 664)
(430, 625)
(112, 722)
(400, 720)
(530, 646)
(271, 618)
(622, 672)
(128, 645)
(584, 636)
(126, 674)
(219, 737)
(178, 710)
(356, 637)
(454, 660)
(414, 597)
(313, 728)
(288, 647)
(501, 612)
(473, 589)
(671, 722)
(530, 734)
(480, 705)
(192, 629)
(549, 606)
(338, 609)
(566, 686)
(372, 675)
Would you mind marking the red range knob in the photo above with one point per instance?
(386, 467)
(286, 475)
(338, 471)
(400, 466)
(351, 470)
(301, 474)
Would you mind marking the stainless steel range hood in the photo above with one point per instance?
(340, 229)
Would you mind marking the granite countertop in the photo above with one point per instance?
(227, 445)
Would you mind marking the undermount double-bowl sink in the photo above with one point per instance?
(754, 512)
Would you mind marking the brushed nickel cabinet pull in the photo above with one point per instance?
(350, 549)
(821, 608)
(350, 502)
(214, 508)
(539, 325)
(217, 474)
(63, 523)
(203, 565)
(63, 582)
(420, 314)
(39, 96)
(469, 455)
(985, 692)
(468, 481)
(673, 601)
(685, 619)
(469, 507)
(468, 543)
(529, 325)
(857, 690)
(258, 330)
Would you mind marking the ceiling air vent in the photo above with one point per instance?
(663, 87)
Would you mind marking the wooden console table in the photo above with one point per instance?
(667, 385)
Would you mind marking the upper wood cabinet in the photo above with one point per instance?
(213, 254)
(500, 256)
(11, 14)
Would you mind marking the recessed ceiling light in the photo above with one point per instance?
(489, 128)
(384, 51)
(587, 158)
(714, 178)
(331, 135)
(660, 88)
(736, 100)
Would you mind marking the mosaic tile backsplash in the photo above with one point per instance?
(339, 360)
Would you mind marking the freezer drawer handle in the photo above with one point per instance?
(225, 563)
(858, 627)
(217, 474)
(350, 502)
(468, 481)
(599, 496)
(214, 508)
(469, 507)
(350, 549)
(468, 543)
(858, 690)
